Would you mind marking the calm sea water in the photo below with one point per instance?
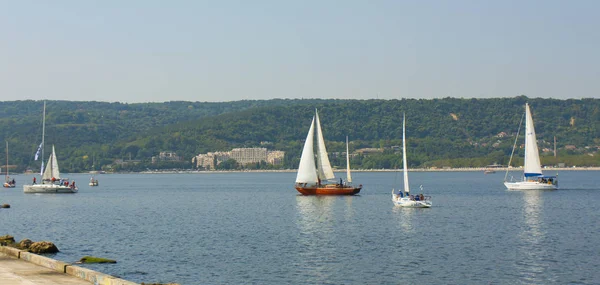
(253, 228)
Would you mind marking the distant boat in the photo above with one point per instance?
(51, 180)
(310, 177)
(404, 198)
(491, 168)
(8, 183)
(533, 179)
(93, 182)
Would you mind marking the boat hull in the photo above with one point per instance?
(8, 185)
(408, 203)
(48, 188)
(332, 189)
(530, 185)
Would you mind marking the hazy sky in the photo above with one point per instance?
(155, 51)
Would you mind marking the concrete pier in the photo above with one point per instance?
(23, 268)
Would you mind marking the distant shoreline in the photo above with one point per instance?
(465, 169)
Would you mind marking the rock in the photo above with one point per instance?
(5, 206)
(43, 247)
(6, 240)
(24, 244)
(93, 259)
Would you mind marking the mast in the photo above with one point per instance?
(348, 176)
(404, 163)
(43, 136)
(6, 161)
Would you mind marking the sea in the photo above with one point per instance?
(254, 228)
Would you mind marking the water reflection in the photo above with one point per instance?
(316, 245)
(403, 217)
(532, 260)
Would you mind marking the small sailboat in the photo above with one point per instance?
(404, 198)
(533, 178)
(93, 182)
(8, 183)
(311, 177)
(51, 180)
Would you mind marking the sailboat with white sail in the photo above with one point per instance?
(8, 183)
(404, 198)
(312, 178)
(51, 181)
(533, 178)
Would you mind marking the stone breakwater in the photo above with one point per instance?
(86, 274)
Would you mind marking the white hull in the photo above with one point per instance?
(408, 203)
(48, 188)
(530, 185)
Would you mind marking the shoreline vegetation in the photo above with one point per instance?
(462, 169)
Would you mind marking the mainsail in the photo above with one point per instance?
(307, 171)
(324, 167)
(51, 170)
(404, 163)
(532, 158)
(348, 176)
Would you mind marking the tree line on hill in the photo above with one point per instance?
(447, 132)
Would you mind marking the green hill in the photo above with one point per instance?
(441, 132)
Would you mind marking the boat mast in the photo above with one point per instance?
(6, 161)
(43, 135)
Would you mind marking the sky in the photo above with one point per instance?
(213, 51)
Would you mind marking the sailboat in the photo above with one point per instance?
(8, 183)
(51, 180)
(533, 179)
(404, 198)
(311, 177)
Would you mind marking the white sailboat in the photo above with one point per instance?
(533, 178)
(404, 198)
(310, 177)
(51, 180)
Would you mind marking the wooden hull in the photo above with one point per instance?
(330, 189)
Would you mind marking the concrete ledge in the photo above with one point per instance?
(44, 261)
(90, 275)
(14, 252)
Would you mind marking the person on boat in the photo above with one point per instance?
(53, 180)
(421, 197)
(400, 193)
(341, 182)
(66, 183)
(34, 180)
(73, 184)
(13, 181)
(417, 197)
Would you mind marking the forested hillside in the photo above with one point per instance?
(441, 132)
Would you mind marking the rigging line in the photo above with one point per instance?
(514, 146)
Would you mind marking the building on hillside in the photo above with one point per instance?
(243, 156)
(166, 156)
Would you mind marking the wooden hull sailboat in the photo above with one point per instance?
(404, 198)
(533, 179)
(310, 175)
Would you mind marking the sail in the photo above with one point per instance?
(532, 158)
(324, 167)
(404, 163)
(307, 171)
(348, 176)
(52, 167)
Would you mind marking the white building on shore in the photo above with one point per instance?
(243, 156)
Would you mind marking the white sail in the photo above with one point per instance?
(324, 167)
(404, 163)
(307, 171)
(532, 158)
(52, 167)
(348, 176)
